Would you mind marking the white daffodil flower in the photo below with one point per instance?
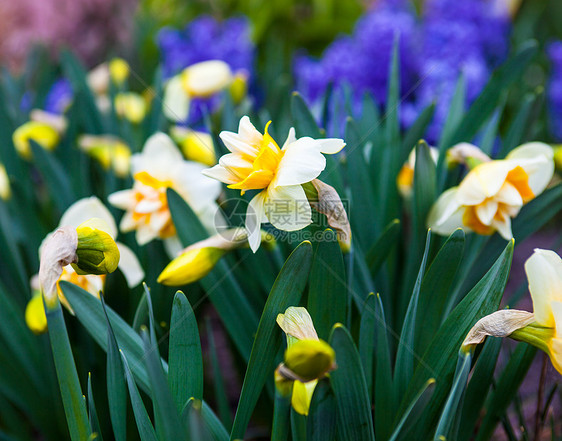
(543, 327)
(493, 192)
(161, 166)
(257, 163)
(200, 80)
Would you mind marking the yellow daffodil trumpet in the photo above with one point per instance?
(256, 162)
(541, 328)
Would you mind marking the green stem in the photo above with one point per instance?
(72, 396)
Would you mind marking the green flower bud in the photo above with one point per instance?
(97, 252)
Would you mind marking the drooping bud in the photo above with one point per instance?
(206, 78)
(239, 87)
(96, 251)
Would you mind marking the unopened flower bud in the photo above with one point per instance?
(310, 359)
(35, 317)
(196, 146)
(190, 266)
(118, 70)
(97, 252)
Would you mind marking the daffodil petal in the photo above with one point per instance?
(301, 163)
(255, 216)
(446, 213)
(88, 208)
(536, 158)
(302, 396)
(130, 266)
(287, 208)
(544, 273)
(482, 182)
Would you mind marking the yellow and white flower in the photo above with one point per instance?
(81, 217)
(200, 80)
(493, 192)
(405, 179)
(161, 166)
(306, 360)
(543, 327)
(257, 163)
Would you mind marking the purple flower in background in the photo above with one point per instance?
(554, 51)
(450, 38)
(59, 97)
(207, 39)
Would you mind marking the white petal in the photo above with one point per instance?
(196, 188)
(127, 222)
(85, 209)
(130, 266)
(302, 162)
(145, 234)
(147, 206)
(255, 215)
(176, 102)
(330, 146)
(291, 137)
(486, 211)
(509, 195)
(287, 208)
(235, 162)
(159, 155)
(544, 273)
(206, 78)
(484, 181)
(536, 158)
(503, 225)
(445, 215)
(123, 199)
(238, 144)
(221, 174)
(248, 132)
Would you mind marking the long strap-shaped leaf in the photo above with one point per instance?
(72, 397)
(185, 362)
(350, 388)
(286, 292)
(439, 360)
